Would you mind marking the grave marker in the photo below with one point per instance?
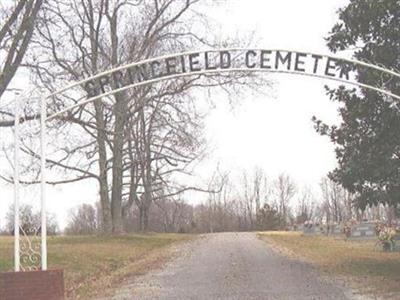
(365, 230)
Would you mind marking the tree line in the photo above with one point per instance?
(251, 202)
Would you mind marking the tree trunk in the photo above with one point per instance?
(103, 181)
(117, 168)
(141, 226)
(143, 218)
(120, 110)
(146, 220)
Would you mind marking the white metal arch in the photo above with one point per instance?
(44, 117)
(205, 72)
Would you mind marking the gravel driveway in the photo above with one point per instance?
(232, 266)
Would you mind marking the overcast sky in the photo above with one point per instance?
(276, 132)
(273, 131)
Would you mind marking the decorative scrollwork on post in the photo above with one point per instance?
(30, 258)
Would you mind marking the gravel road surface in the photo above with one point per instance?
(232, 266)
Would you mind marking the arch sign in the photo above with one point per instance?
(207, 62)
(223, 60)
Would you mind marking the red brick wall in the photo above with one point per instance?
(36, 285)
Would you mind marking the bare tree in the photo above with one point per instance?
(284, 189)
(305, 207)
(17, 23)
(175, 215)
(255, 191)
(334, 200)
(236, 206)
(82, 220)
(94, 30)
(30, 222)
(248, 199)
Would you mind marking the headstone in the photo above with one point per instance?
(365, 230)
(335, 230)
(309, 230)
(314, 230)
(397, 242)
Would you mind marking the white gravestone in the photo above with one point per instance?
(314, 230)
(364, 230)
(335, 230)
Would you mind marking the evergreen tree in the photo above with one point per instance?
(368, 139)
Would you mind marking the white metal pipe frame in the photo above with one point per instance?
(168, 67)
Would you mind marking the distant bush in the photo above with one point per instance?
(82, 220)
(30, 221)
(269, 218)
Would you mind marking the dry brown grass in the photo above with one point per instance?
(93, 264)
(364, 265)
(6, 253)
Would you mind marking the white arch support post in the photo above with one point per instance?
(43, 141)
(16, 183)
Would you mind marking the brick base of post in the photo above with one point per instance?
(35, 285)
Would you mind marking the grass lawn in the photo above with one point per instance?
(363, 264)
(92, 264)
